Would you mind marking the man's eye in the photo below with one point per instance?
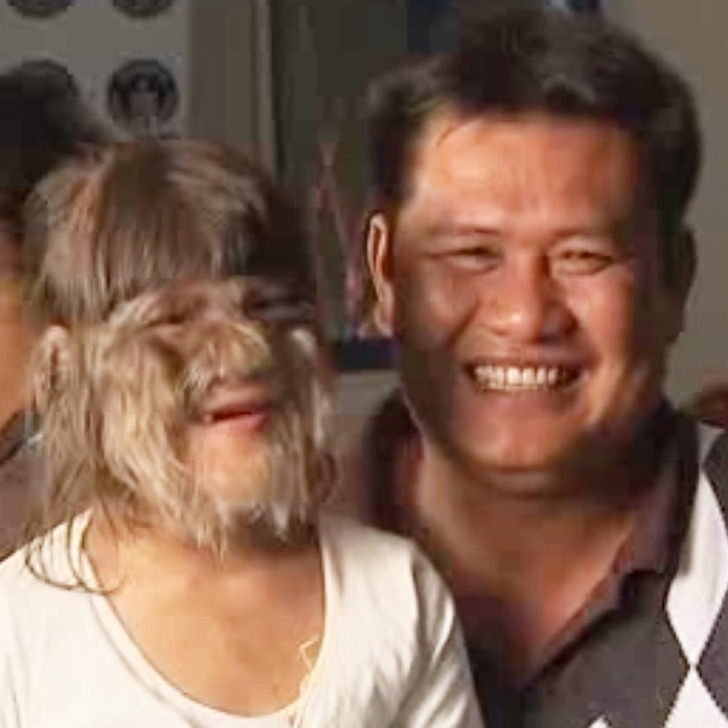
(583, 261)
(476, 257)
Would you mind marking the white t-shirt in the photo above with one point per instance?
(391, 652)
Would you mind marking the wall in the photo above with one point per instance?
(693, 36)
(230, 74)
(325, 53)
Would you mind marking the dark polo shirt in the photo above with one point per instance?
(619, 647)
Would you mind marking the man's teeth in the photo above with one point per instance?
(518, 378)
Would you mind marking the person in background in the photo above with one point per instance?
(184, 408)
(41, 124)
(531, 258)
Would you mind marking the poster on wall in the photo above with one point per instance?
(39, 8)
(142, 97)
(142, 8)
(137, 83)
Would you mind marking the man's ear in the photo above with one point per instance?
(681, 266)
(379, 260)
(52, 359)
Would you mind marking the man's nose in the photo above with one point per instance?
(524, 304)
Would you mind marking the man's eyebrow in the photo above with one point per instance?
(604, 226)
(616, 229)
(463, 230)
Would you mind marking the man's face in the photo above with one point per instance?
(521, 279)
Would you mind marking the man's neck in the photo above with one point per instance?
(521, 564)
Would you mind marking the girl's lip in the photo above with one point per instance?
(234, 412)
(235, 403)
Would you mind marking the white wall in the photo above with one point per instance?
(693, 36)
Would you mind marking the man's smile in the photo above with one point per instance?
(521, 378)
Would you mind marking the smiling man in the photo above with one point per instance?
(531, 260)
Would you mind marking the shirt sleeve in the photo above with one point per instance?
(9, 713)
(442, 693)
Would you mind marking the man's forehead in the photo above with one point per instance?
(449, 130)
(586, 167)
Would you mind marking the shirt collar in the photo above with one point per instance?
(660, 522)
(652, 549)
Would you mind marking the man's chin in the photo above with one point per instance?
(534, 467)
(532, 483)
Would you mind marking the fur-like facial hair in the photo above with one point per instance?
(119, 401)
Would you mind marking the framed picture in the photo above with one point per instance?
(142, 97)
(142, 8)
(40, 8)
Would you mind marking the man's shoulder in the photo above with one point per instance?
(697, 599)
(706, 518)
(713, 456)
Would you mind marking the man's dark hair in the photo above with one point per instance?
(42, 122)
(538, 60)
